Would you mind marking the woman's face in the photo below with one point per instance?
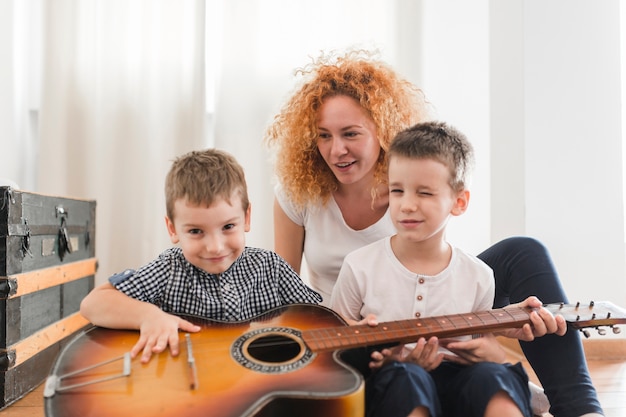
(347, 140)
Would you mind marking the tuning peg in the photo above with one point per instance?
(585, 332)
(616, 330)
(601, 331)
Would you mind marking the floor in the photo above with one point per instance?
(607, 365)
(609, 377)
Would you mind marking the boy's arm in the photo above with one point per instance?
(106, 306)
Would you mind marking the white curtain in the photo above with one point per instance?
(122, 95)
(20, 42)
(263, 43)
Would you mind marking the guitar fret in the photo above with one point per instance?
(487, 317)
(404, 328)
(448, 323)
(460, 321)
(331, 338)
(495, 318)
(369, 334)
(317, 339)
(352, 336)
(478, 316)
(469, 320)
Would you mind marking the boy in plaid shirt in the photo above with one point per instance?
(211, 273)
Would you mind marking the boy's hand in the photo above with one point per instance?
(543, 322)
(425, 354)
(379, 358)
(468, 352)
(159, 331)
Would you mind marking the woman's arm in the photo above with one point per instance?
(288, 238)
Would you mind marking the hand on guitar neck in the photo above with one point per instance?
(428, 355)
(542, 322)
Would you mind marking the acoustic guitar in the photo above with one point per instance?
(282, 363)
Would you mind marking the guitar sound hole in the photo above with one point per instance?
(274, 349)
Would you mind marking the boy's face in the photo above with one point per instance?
(213, 237)
(421, 199)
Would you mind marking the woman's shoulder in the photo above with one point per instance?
(295, 214)
(308, 212)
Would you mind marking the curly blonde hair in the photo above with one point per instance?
(392, 102)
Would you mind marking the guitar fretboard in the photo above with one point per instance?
(407, 331)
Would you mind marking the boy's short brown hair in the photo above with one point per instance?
(441, 142)
(202, 177)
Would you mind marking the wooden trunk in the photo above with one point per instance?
(47, 266)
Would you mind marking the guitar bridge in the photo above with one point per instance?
(54, 382)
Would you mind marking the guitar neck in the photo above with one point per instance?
(408, 331)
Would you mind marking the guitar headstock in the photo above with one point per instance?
(596, 315)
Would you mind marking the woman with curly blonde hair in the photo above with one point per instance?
(392, 103)
(331, 139)
(318, 177)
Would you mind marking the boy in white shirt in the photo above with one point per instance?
(417, 273)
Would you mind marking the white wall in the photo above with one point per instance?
(536, 87)
(456, 80)
(557, 139)
(8, 166)
(18, 140)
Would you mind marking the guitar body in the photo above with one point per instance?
(282, 363)
(259, 367)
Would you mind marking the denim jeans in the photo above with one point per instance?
(522, 267)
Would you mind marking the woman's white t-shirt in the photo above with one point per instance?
(328, 239)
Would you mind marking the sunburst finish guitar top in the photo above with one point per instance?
(231, 380)
(284, 362)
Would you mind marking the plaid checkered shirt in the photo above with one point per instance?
(256, 282)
